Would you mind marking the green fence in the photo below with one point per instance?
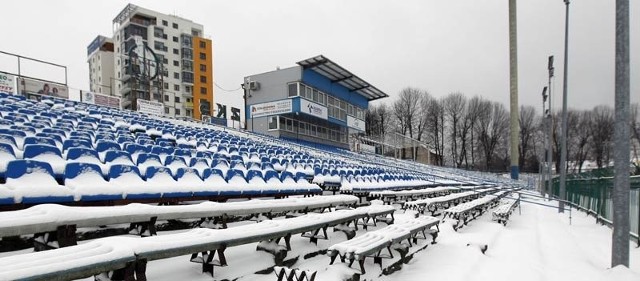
(592, 191)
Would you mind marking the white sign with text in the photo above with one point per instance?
(313, 109)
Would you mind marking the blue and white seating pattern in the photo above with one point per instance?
(90, 153)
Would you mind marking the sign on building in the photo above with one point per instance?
(355, 123)
(271, 108)
(29, 87)
(313, 109)
(7, 83)
(99, 99)
(150, 107)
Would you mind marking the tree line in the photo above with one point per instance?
(473, 133)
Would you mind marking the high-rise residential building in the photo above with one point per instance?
(100, 59)
(156, 57)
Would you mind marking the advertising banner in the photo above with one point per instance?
(30, 88)
(7, 83)
(271, 108)
(355, 123)
(100, 99)
(150, 107)
(313, 109)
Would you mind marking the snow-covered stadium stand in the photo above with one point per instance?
(127, 157)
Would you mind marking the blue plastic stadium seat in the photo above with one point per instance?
(113, 157)
(174, 162)
(135, 149)
(199, 164)
(7, 154)
(162, 150)
(128, 178)
(18, 136)
(87, 182)
(161, 179)
(40, 140)
(236, 182)
(146, 160)
(33, 182)
(256, 183)
(84, 155)
(190, 179)
(105, 145)
(46, 153)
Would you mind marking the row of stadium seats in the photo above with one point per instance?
(33, 182)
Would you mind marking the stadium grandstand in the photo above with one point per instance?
(67, 165)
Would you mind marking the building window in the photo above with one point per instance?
(273, 123)
(166, 86)
(166, 110)
(175, 51)
(177, 111)
(176, 88)
(203, 90)
(166, 98)
(293, 89)
(187, 89)
(203, 79)
(175, 25)
(176, 75)
(176, 63)
(165, 60)
(203, 56)
(165, 23)
(175, 38)
(203, 44)
(177, 99)
(203, 67)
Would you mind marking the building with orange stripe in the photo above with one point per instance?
(162, 59)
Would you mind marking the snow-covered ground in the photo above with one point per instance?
(538, 244)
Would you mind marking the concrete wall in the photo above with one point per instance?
(273, 85)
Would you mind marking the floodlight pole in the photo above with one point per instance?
(563, 139)
(620, 194)
(513, 89)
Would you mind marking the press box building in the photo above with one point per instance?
(317, 101)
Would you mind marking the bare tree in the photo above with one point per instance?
(528, 128)
(493, 126)
(601, 130)
(406, 109)
(473, 111)
(580, 137)
(454, 108)
(378, 120)
(435, 126)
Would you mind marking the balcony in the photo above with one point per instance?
(188, 104)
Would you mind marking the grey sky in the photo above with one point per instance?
(441, 46)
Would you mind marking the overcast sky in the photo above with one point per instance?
(440, 46)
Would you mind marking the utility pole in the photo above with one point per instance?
(621, 228)
(513, 88)
(563, 140)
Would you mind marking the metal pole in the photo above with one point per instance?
(549, 117)
(563, 139)
(620, 194)
(513, 82)
(543, 188)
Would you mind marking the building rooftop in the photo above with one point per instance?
(338, 74)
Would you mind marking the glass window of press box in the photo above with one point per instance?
(337, 108)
